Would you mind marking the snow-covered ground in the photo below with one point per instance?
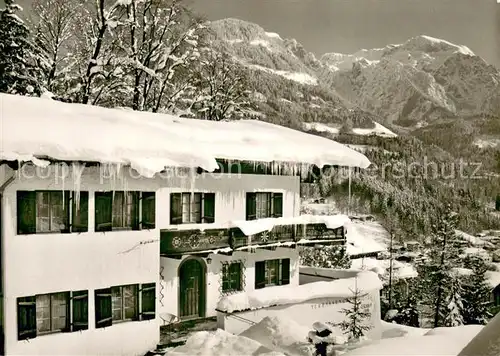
(281, 336)
(221, 343)
(435, 342)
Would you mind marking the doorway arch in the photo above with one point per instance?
(192, 288)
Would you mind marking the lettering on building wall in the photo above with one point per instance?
(327, 302)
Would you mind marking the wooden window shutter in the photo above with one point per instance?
(135, 201)
(277, 205)
(208, 208)
(235, 276)
(103, 309)
(103, 211)
(196, 202)
(66, 201)
(285, 271)
(80, 310)
(148, 210)
(26, 212)
(148, 301)
(175, 208)
(251, 206)
(260, 274)
(80, 219)
(26, 318)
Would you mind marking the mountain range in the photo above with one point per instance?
(426, 87)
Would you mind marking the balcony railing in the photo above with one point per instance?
(181, 242)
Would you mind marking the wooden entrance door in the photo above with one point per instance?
(191, 289)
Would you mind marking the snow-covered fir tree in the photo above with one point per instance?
(476, 293)
(453, 312)
(19, 63)
(356, 315)
(437, 275)
(408, 313)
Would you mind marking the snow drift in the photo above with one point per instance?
(220, 343)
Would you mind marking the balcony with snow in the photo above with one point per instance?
(306, 304)
(269, 233)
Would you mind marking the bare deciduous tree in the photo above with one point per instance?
(53, 23)
(163, 43)
(221, 89)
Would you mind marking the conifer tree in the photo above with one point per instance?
(409, 314)
(454, 306)
(441, 286)
(354, 323)
(19, 73)
(476, 294)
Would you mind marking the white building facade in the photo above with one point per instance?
(95, 255)
(90, 265)
(70, 285)
(214, 268)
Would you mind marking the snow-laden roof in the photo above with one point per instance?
(364, 281)
(473, 240)
(39, 127)
(476, 251)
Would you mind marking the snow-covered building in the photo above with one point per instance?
(322, 296)
(111, 220)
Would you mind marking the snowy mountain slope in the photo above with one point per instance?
(421, 80)
(256, 48)
(404, 87)
(284, 76)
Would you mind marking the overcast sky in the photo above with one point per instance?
(348, 25)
